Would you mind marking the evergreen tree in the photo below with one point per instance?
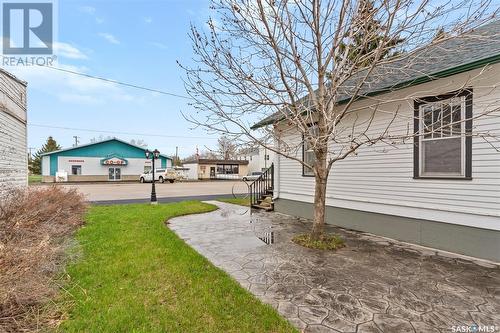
(35, 165)
(368, 35)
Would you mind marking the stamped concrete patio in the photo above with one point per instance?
(371, 285)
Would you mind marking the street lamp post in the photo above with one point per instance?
(154, 155)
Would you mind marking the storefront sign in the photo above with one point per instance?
(114, 161)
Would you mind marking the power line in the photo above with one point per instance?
(131, 85)
(123, 133)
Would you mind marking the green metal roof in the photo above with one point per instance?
(465, 53)
(99, 149)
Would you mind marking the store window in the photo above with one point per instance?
(228, 169)
(76, 170)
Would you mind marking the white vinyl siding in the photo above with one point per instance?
(380, 177)
(13, 150)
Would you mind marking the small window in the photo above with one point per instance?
(308, 155)
(147, 168)
(228, 169)
(76, 170)
(443, 148)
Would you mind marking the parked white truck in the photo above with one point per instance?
(161, 175)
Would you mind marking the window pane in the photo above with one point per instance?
(427, 122)
(308, 155)
(309, 158)
(76, 169)
(442, 156)
(446, 120)
(436, 122)
(456, 117)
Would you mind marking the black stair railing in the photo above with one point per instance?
(262, 186)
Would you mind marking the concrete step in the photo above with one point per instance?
(266, 208)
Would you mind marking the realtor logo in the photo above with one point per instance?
(27, 28)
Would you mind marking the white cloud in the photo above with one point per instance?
(91, 11)
(79, 99)
(66, 50)
(87, 10)
(71, 88)
(148, 20)
(109, 37)
(159, 45)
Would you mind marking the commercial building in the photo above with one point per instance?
(216, 169)
(13, 144)
(108, 160)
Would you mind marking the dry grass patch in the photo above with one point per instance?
(35, 229)
(327, 242)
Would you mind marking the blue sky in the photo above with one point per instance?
(132, 41)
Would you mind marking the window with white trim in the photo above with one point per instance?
(76, 170)
(308, 155)
(444, 148)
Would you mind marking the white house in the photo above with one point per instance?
(442, 192)
(13, 138)
(259, 158)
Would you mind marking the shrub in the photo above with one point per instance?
(35, 226)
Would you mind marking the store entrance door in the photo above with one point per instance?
(114, 174)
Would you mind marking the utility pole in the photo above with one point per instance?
(76, 140)
(176, 155)
(30, 154)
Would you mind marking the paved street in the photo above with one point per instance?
(371, 285)
(137, 192)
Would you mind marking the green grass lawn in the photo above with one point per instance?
(33, 179)
(135, 275)
(236, 201)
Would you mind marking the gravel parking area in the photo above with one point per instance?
(110, 192)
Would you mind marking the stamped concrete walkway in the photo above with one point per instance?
(371, 285)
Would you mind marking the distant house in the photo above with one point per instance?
(108, 160)
(259, 158)
(13, 138)
(442, 190)
(216, 169)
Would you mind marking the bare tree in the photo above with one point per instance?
(203, 154)
(303, 65)
(226, 148)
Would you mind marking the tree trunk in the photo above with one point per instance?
(321, 178)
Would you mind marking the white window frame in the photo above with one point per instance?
(306, 172)
(422, 139)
